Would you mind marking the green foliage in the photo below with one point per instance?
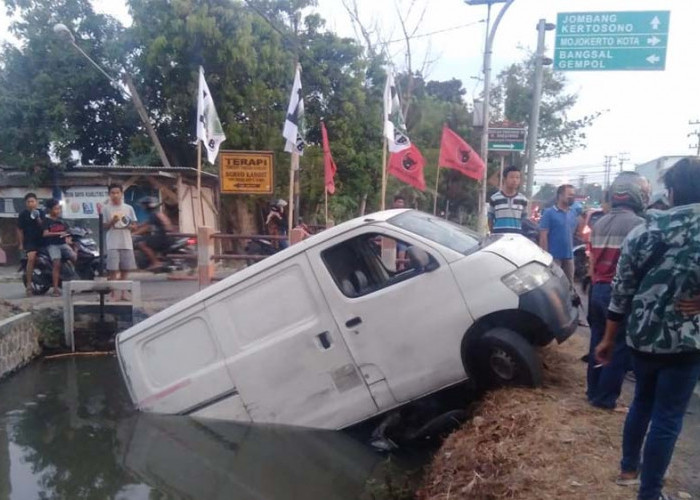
(50, 98)
(558, 134)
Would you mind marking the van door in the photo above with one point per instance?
(285, 353)
(400, 323)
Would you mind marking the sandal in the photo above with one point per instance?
(631, 481)
(55, 293)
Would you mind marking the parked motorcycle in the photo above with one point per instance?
(88, 264)
(581, 266)
(259, 246)
(178, 256)
(43, 269)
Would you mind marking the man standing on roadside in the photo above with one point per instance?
(29, 234)
(656, 285)
(119, 220)
(508, 207)
(557, 228)
(628, 198)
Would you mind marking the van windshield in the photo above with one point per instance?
(453, 236)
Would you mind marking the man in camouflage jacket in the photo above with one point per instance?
(657, 281)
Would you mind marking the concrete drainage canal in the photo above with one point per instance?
(68, 430)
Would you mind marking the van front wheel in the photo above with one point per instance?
(504, 357)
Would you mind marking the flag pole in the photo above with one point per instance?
(384, 175)
(437, 182)
(199, 181)
(325, 192)
(293, 167)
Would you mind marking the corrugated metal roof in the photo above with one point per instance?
(139, 167)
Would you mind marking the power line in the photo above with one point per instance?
(431, 33)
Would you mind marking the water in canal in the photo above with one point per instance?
(68, 431)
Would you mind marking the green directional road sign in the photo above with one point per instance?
(506, 139)
(610, 41)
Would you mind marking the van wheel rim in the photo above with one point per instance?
(502, 364)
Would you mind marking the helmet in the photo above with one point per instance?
(149, 202)
(281, 203)
(629, 189)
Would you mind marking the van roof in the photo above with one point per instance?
(258, 267)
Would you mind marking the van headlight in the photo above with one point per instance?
(527, 278)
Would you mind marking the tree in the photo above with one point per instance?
(558, 134)
(51, 100)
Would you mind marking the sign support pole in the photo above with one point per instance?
(437, 182)
(535, 113)
(384, 175)
(488, 51)
(503, 161)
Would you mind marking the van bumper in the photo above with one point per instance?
(553, 304)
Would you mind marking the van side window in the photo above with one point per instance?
(369, 262)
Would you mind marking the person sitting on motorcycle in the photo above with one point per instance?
(57, 241)
(156, 230)
(276, 223)
(29, 234)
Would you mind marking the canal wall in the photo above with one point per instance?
(19, 342)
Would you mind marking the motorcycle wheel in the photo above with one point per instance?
(38, 287)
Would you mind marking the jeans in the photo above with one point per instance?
(605, 382)
(663, 391)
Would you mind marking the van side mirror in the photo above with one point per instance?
(421, 260)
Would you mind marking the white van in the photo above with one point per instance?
(350, 323)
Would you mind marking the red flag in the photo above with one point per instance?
(457, 154)
(328, 163)
(407, 166)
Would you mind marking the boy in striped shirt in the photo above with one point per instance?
(508, 207)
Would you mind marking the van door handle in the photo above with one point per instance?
(353, 322)
(324, 340)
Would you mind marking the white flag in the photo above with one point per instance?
(209, 129)
(394, 126)
(294, 122)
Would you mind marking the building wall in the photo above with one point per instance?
(19, 342)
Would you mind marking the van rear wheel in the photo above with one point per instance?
(504, 357)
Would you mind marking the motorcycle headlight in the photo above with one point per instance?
(527, 278)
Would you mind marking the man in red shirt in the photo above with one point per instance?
(629, 194)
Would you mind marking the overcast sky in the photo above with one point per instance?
(647, 112)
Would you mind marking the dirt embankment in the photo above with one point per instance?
(534, 444)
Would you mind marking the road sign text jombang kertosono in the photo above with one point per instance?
(247, 172)
(632, 40)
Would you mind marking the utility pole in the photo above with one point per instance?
(622, 158)
(490, 35)
(540, 61)
(695, 133)
(608, 166)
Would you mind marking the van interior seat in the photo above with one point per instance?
(359, 281)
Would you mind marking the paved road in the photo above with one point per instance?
(157, 292)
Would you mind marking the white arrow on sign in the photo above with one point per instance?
(654, 41)
(655, 23)
(653, 59)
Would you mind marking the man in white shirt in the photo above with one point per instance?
(119, 220)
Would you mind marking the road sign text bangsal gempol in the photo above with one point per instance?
(608, 41)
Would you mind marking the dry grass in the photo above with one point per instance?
(534, 444)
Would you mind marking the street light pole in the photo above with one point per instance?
(533, 129)
(483, 228)
(63, 30)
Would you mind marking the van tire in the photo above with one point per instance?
(505, 358)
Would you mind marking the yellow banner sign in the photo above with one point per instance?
(247, 172)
